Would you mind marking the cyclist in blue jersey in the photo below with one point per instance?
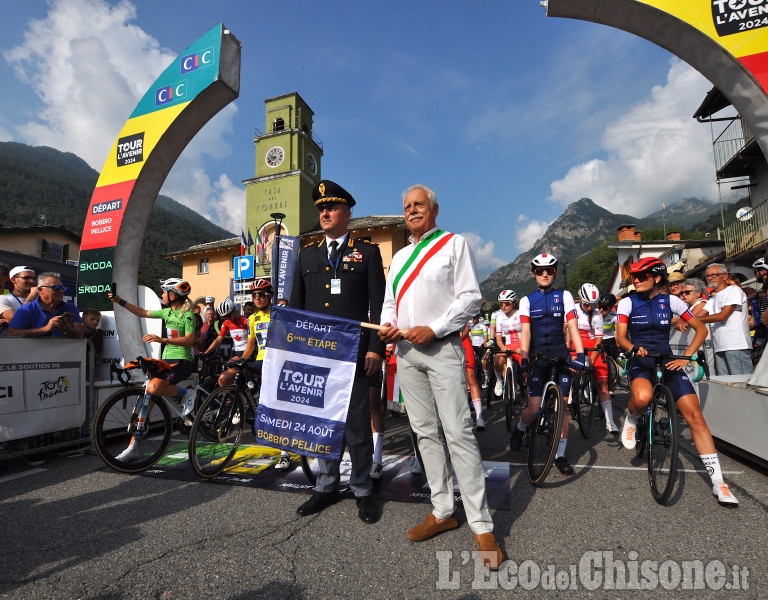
(644, 326)
(543, 315)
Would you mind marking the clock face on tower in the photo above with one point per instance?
(311, 164)
(275, 156)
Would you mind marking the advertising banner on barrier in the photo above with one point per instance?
(307, 377)
(42, 386)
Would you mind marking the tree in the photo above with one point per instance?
(596, 267)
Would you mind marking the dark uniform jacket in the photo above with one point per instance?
(362, 285)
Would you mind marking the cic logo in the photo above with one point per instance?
(198, 60)
(169, 93)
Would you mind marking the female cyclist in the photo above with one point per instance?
(505, 331)
(590, 324)
(179, 339)
(474, 387)
(646, 318)
(542, 315)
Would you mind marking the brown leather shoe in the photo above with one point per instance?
(430, 528)
(489, 550)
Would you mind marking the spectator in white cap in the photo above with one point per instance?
(24, 290)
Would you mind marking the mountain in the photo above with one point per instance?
(36, 180)
(684, 213)
(578, 230)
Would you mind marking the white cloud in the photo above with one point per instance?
(85, 101)
(528, 232)
(483, 251)
(655, 153)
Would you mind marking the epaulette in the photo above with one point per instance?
(362, 241)
(307, 245)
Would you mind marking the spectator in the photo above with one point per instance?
(4, 276)
(675, 285)
(49, 315)
(208, 331)
(249, 308)
(91, 331)
(726, 312)
(692, 295)
(24, 290)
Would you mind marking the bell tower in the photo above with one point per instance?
(287, 168)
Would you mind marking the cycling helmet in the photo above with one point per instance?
(210, 299)
(176, 285)
(507, 296)
(544, 260)
(606, 301)
(760, 264)
(225, 307)
(651, 265)
(589, 294)
(261, 285)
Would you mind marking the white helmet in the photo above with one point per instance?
(225, 307)
(544, 260)
(760, 264)
(589, 294)
(210, 299)
(507, 296)
(176, 285)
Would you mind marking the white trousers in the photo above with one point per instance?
(433, 382)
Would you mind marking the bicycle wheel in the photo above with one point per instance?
(641, 435)
(586, 404)
(509, 395)
(489, 393)
(309, 466)
(545, 435)
(116, 427)
(662, 446)
(216, 432)
(613, 371)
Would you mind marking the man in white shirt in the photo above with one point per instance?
(24, 290)
(726, 314)
(432, 289)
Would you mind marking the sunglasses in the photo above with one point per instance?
(544, 271)
(55, 288)
(641, 276)
(686, 292)
(261, 294)
(505, 304)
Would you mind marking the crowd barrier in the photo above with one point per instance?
(47, 395)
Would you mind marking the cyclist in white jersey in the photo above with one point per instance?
(505, 331)
(478, 336)
(591, 328)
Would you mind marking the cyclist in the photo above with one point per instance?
(542, 315)
(474, 387)
(236, 326)
(478, 336)
(505, 329)
(646, 318)
(178, 341)
(606, 304)
(590, 324)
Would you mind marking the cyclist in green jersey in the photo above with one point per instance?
(179, 338)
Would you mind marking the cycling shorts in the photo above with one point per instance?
(538, 377)
(469, 351)
(600, 372)
(179, 372)
(515, 345)
(677, 381)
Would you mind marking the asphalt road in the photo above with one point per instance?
(71, 529)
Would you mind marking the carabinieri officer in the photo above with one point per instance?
(344, 278)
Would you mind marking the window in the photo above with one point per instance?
(202, 266)
(279, 124)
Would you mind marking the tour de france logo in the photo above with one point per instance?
(300, 383)
(53, 387)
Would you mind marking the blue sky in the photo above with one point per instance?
(508, 114)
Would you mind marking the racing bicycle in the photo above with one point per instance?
(543, 435)
(131, 416)
(514, 394)
(658, 431)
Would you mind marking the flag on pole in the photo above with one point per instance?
(250, 240)
(257, 249)
(242, 243)
(307, 375)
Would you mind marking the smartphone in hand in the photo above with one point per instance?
(113, 288)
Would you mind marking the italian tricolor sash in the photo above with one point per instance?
(421, 254)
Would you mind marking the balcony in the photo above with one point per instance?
(737, 153)
(279, 126)
(747, 232)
